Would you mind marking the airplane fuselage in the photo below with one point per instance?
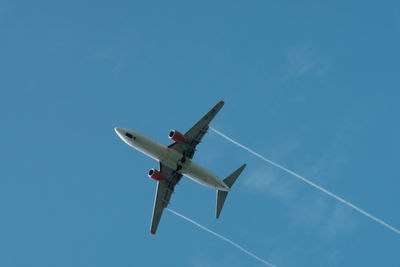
(171, 158)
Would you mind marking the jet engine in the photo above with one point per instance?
(177, 136)
(156, 175)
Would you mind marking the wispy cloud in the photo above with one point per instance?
(320, 213)
(307, 181)
(339, 221)
(269, 181)
(302, 59)
(311, 210)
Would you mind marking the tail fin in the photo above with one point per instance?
(221, 195)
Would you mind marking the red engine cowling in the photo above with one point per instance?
(156, 175)
(177, 136)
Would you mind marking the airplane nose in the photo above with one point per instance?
(118, 131)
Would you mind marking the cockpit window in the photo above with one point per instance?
(129, 135)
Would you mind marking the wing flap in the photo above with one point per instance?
(164, 191)
(161, 201)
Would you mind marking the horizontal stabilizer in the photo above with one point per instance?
(221, 195)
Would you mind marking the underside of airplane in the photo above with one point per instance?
(176, 161)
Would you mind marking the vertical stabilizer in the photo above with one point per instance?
(221, 195)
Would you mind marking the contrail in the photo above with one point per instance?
(222, 237)
(397, 231)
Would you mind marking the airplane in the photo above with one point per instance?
(176, 160)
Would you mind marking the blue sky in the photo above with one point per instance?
(312, 85)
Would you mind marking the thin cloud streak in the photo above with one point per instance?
(222, 237)
(397, 231)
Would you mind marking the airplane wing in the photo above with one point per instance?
(163, 194)
(196, 133)
(166, 188)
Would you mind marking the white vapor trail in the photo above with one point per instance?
(397, 231)
(222, 237)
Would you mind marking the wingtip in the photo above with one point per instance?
(221, 102)
(152, 233)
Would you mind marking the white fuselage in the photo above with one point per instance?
(171, 158)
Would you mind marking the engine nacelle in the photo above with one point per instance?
(156, 175)
(177, 136)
